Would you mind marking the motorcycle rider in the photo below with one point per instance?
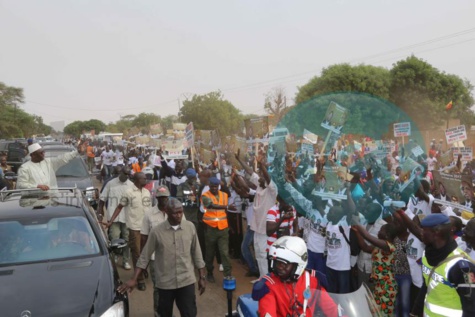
(287, 289)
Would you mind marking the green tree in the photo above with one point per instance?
(168, 121)
(76, 128)
(210, 112)
(422, 91)
(346, 78)
(144, 120)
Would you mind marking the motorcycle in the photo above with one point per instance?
(359, 303)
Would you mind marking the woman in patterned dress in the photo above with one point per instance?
(382, 250)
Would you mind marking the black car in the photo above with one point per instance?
(55, 259)
(74, 173)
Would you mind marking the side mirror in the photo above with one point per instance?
(117, 244)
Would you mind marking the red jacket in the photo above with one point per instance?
(286, 299)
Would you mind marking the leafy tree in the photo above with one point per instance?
(144, 120)
(423, 92)
(76, 128)
(168, 121)
(346, 78)
(16, 123)
(210, 112)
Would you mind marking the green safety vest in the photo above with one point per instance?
(442, 298)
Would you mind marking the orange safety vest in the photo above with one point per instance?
(136, 167)
(90, 151)
(216, 217)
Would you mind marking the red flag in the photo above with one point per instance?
(449, 105)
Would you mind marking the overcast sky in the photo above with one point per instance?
(78, 60)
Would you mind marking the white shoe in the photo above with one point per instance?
(127, 266)
(221, 268)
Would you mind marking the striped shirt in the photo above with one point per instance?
(273, 215)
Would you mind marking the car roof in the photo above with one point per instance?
(24, 203)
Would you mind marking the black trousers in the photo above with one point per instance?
(235, 234)
(185, 301)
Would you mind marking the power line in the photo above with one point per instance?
(434, 40)
(104, 110)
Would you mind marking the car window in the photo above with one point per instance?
(42, 239)
(75, 168)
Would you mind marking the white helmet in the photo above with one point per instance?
(290, 249)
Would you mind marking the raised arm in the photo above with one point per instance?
(246, 167)
(382, 244)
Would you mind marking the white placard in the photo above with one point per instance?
(455, 134)
(402, 129)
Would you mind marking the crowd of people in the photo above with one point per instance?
(414, 252)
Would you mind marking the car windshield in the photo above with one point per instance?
(39, 239)
(75, 168)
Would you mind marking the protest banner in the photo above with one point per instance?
(257, 128)
(335, 118)
(467, 153)
(204, 137)
(455, 134)
(402, 129)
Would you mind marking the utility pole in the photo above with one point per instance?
(179, 110)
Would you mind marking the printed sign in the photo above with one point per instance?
(310, 137)
(402, 129)
(417, 151)
(257, 128)
(455, 134)
(335, 118)
(467, 153)
(189, 134)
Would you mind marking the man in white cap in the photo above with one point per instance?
(39, 172)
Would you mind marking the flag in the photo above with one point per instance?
(449, 105)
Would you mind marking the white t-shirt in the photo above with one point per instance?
(107, 157)
(263, 201)
(338, 250)
(414, 250)
(431, 163)
(237, 201)
(420, 207)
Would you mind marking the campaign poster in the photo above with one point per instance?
(335, 118)
(331, 181)
(455, 134)
(206, 156)
(257, 128)
(453, 190)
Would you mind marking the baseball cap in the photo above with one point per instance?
(434, 220)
